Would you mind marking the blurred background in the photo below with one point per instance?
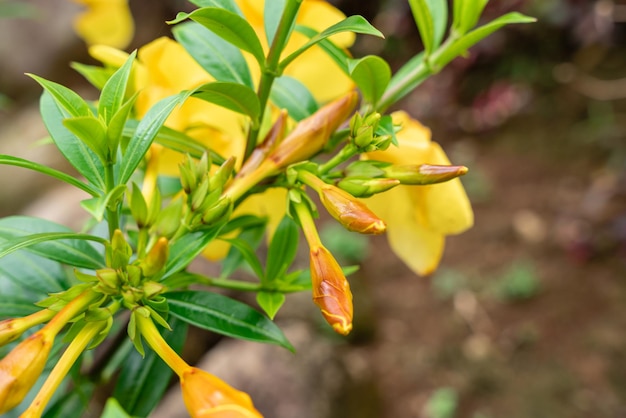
(525, 318)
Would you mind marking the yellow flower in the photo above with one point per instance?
(207, 396)
(105, 22)
(419, 217)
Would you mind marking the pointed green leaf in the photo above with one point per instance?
(371, 74)
(97, 76)
(337, 54)
(270, 302)
(92, 132)
(12, 306)
(49, 238)
(272, 14)
(114, 91)
(233, 96)
(282, 250)
(73, 403)
(431, 17)
(113, 409)
(73, 149)
(221, 59)
(470, 39)
(398, 86)
(229, 5)
(225, 316)
(145, 133)
(65, 98)
(184, 250)
(75, 252)
(19, 162)
(98, 205)
(247, 252)
(115, 130)
(356, 24)
(466, 14)
(229, 26)
(143, 381)
(31, 277)
(289, 93)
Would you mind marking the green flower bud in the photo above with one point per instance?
(156, 258)
(134, 275)
(109, 280)
(169, 219)
(217, 212)
(221, 176)
(118, 252)
(424, 173)
(366, 187)
(138, 206)
(366, 169)
(152, 289)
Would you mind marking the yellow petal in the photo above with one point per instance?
(106, 22)
(419, 247)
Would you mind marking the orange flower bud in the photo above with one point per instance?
(156, 258)
(350, 212)
(312, 133)
(423, 174)
(12, 329)
(207, 396)
(331, 291)
(21, 368)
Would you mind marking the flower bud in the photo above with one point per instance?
(169, 219)
(118, 253)
(350, 212)
(21, 368)
(423, 174)
(221, 176)
(109, 280)
(12, 329)
(331, 291)
(218, 211)
(366, 187)
(312, 133)
(157, 257)
(207, 396)
(271, 140)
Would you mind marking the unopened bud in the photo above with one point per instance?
(12, 329)
(217, 212)
(134, 275)
(366, 187)
(169, 219)
(21, 368)
(152, 289)
(156, 258)
(331, 291)
(221, 176)
(353, 214)
(138, 206)
(118, 253)
(366, 168)
(199, 194)
(424, 173)
(109, 280)
(188, 179)
(271, 140)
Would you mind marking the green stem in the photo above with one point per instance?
(342, 156)
(112, 214)
(271, 71)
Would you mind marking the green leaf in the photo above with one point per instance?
(282, 250)
(31, 165)
(414, 66)
(461, 45)
(466, 14)
(230, 27)
(114, 91)
(12, 245)
(431, 18)
(92, 132)
(75, 252)
(232, 96)
(97, 76)
(226, 316)
(31, 277)
(289, 93)
(272, 14)
(12, 306)
(185, 249)
(229, 5)
(65, 98)
(113, 409)
(115, 130)
(143, 381)
(247, 252)
(98, 205)
(340, 56)
(73, 403)
(145, 133)
(73, 149)
(356, 24)
(216, 56)
(270, 302)
(372, 75)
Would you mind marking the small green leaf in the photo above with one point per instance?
(98, 205)
(145, 133)
(92, 132)
(466, 14)
(115, 130)
(229, 5)
(73, 403)
(113, 409)
(232, 96)
(413, 66)
(226, 316)
(143, 381)
(65, 98)
(356, 24)
(229, 26)
(185, 249)
(14, 244)
(114, 91)
(97, 76)
(221, 59)
(282, 250)
(272, 14)
(289, 93)
(12, 306)
(340, 56)
(270, 302)
(461, 45)
(75, 252)
(247, 252)
(19, 162)
(371, 74)
(431, 18)
(73, 149)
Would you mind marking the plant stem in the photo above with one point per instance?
(270, 71)
(112, 214)
(347, 152)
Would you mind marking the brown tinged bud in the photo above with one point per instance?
(12, 329)
(312, 133)
(21, 368)
(331, 291)
(424, 174)
(272, 139)
(221, 176)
